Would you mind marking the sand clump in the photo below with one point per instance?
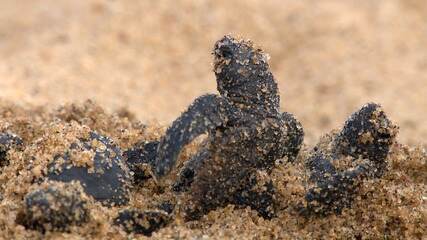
(393, 206)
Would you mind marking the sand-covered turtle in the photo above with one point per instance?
(142, 222)
(8, 141)
(364, 142)
(104, 176)
(246, 133)
(55, 206)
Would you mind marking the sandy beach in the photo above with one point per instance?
(141, 63)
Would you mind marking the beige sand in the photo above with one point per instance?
(391, 208)
(154, 58)
(150, 59)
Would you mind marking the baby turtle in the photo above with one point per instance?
(54, 207)
(8, 141)
(367, 134)
(107, 177)
(366, 139)
(246, 134)
(139, 158)
(142, 222)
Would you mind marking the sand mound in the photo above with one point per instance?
(393, 206)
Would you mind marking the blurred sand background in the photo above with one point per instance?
(153, 57)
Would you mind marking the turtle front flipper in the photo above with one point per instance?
(206, 113)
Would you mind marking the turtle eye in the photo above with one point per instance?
(225, 52)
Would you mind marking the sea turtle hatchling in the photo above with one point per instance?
(246, 132)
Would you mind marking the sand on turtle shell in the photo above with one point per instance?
(392, 207)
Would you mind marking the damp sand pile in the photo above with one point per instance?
(390, 207)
